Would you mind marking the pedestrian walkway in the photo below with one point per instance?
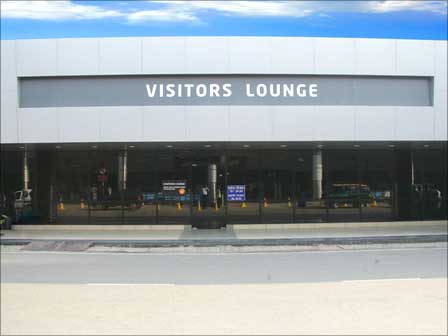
(231, 233)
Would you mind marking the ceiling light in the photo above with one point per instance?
(356, 146)
(169, 146)
(391, 146)
(426, 146)
(283, 146)
(131, 146)
(58, 147)
(246, 146)
(94, 146)
(320, 146)
(207, 146)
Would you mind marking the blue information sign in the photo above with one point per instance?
(236, 193)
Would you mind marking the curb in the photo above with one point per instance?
(239, 242)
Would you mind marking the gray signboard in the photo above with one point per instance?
(225, 90)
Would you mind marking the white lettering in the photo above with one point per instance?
(161, 90)
(262, 90)
(288, 89)
(313, 90)
(248, 91)
(214, 90)
(275, 93)
(188, 87)
(170, 90)
(151, 91)
(301, 90)
(227, 90)
(201, 90)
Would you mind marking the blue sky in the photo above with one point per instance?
(374, 19)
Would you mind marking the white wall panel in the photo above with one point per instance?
(415, 58)
(163, 123)
(78, 56)
(207, 55)
(292, 57)
(79, 124)
(293, 123)
(124, 123)
(335, 123)
(375, 57)
(226, 55)
(36, 57)
(335, 56)
(374, 123)
(440, 115)
(441, 70)
(120, 56)
(249, 55)
(163, 55)
(207, 122)
(249, 123)
(38, 125)
(8, 66)
(8, 117)
(413, 123)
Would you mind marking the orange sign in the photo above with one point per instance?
(181, 191)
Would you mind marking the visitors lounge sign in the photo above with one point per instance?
(275, 90)
(241, 90)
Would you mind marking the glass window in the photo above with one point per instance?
(343, 193)
(277, 186)
(243, 187)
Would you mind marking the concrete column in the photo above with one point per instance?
(122, 170)
(212, 179)
(317, 175)
(26, 175)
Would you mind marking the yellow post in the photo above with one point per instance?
(289, 202)
(216, 206)
(179, 206)
(265, 203)
(61, 206)
(82, 203)
(199, 206)
(374, 204)
(243, 205)
(158, 206)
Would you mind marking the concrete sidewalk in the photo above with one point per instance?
(267, 234)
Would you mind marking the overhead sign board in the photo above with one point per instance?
(229, 90)
(236, 193)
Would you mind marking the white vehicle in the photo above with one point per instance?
(23, 199)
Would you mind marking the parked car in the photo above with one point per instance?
(129, 199)
(350, 195)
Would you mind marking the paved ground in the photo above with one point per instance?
(223, 268)
(377, 291)
(256, 231)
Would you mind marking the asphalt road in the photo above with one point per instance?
(223, 268)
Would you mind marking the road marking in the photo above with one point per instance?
(127, 284)
(125, 253)
(379, 280)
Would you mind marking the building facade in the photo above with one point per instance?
(211, 131)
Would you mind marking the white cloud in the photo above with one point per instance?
(161, 15)
(53, 10)
(196, 11)
(243, 8)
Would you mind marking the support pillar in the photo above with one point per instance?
(317, 174)
(122, 170)
(403, 185)
(212, 179)
(26, 173)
